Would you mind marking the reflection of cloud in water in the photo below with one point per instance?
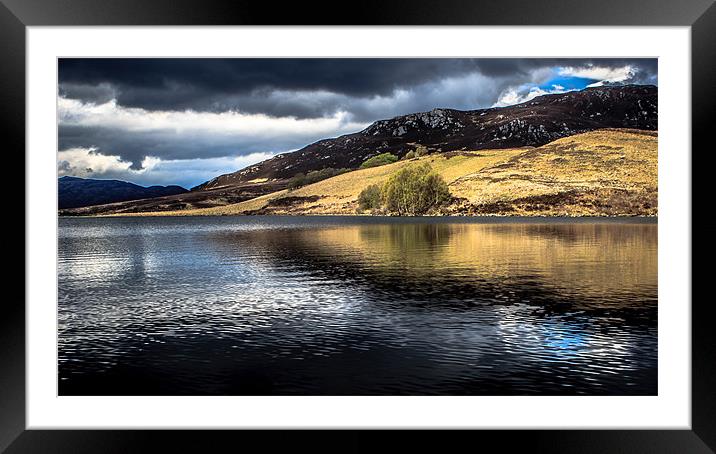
(572, 343)
(92, 261)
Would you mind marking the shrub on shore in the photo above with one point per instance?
(379, 160)
(411, 191)
(370, 198)
(414, 190)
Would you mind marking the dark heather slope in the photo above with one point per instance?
(533, 123)
(76, 192)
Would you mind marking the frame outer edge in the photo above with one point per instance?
(12, 93)
(368, 12)
(12, 320)
(703, 105)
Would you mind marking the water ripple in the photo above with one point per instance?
(356, 306)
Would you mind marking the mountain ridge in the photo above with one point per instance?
(76, 192)
(532, 123)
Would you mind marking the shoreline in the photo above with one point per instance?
(652, 219)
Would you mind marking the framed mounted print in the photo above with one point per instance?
(455, 219)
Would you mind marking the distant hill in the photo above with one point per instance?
(533, 123)
(609, 172)
(74, 192)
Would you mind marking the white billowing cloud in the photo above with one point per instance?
(602, 74)
(517, 95)
(88, 163)
(190, 172)
(73, 112)
(82, 162)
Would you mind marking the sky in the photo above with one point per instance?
(184, 121)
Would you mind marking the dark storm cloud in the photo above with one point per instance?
(94, 93)
(166, 144)
(249, 85)
(239, 76)
(179, 111)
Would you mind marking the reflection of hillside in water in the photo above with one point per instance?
(610, 265)
(588, 259)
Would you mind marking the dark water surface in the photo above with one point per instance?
(350, 305)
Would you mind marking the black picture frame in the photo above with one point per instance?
(16, 15)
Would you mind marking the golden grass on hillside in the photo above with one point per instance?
(339, 194)
(605, 159)
(604, 172)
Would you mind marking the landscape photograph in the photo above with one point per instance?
(357, 226)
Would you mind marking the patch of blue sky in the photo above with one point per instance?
(567, 83)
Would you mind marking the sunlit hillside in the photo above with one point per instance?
(604, 172)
